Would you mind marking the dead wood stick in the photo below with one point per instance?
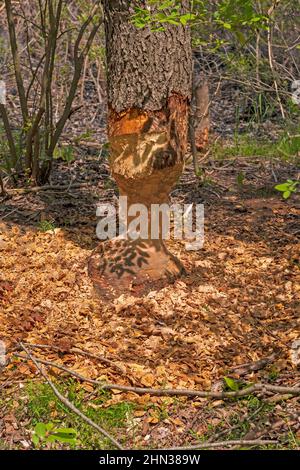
(202, 159)
(80, 352)
(243, 369)
(83, 352)
(64, 369)
(46, 187)
(255, 388)
(213, 445)
(68, 404)
(94, 145)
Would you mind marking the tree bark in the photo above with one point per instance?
(201, 115)
(149, 92)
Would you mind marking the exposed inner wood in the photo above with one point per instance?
(146, 158)
(132, 267)
(147, 150)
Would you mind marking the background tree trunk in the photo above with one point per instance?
(201, 115)
(149, 91)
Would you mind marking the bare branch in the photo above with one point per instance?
(79, 60)
(16, 60)
(68, 404)
(256, 388)
(216, 445)
(10, 137)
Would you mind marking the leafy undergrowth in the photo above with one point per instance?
(36, 403)
(143, 423)
(286, 147)
(239, 303)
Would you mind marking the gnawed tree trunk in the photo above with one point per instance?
(149, 87)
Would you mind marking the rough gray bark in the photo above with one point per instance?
(144, 68)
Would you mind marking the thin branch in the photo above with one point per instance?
(10, 138)
(16, 60)
(83, 28)
(79, 61)
(243, 369)
(214, 445)
(270, 54)
(81, 352)
(52, 38)
(47, 187)
(31, 133)
(34, 76)
(68, 404)
(255, 388)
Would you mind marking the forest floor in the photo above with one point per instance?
(234, 314)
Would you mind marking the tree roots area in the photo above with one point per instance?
(230, 323)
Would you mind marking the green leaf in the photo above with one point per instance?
(282, 187)
(49, 426)
(240, 178)
(139, 24)
(286, 194)
(63, 435)
(165, 5)
(160, 16)
(140, 10)
(154, 29)
(40, 430)
(231, 384)
(35, 440)
(241, 37)
(184, 19)
(171, 21)
(61, 438)
(68, 431)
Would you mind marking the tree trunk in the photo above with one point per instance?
(201, 115)
(149, 87)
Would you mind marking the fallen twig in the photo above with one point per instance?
(67, 403)
(94, 145)
(244, 369)
(255, 388)
(213, 445)
(46, 187)
(81, 352)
